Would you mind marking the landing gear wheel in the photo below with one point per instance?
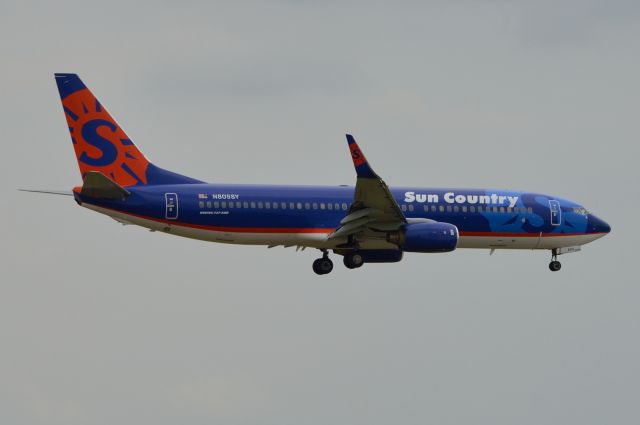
(322, 265)
(555, 265)
(353, 260)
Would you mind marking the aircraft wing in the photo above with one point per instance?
(373, 209)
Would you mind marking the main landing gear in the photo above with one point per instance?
(554, 265)
(353, 260)
(323, 265)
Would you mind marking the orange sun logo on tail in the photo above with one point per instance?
(99, 142)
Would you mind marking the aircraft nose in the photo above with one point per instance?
(598, 225)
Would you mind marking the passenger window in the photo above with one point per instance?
(344, 206)
(495, 209)
(322, 205)
(479, 208)
(530, 210)
(253, 204)
(472, 209)
(329, 206)
(410, 207)
(292, 206)
(441, 208)
(201, 204)
(426, 208)
(307, 206)
(299, 205)
(448, 208)
(315, 205)
(224, 204)
(208, 204)
(337, 206)
(231, 204)
(501, 209)
(283, 205)
(216, 204)
(433, 208)
(267, 205)
(245, 204)
(509, 209)
(403, 207)
(238, 204)
(275, 205)
(464, 208)
(456, 208)
(260, 205)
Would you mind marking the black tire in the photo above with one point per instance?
(555, 266)
(353, 260)
(322, 266)
(316, 266)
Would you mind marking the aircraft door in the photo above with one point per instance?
(171, 206)
(556, 213)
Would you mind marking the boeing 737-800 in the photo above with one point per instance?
(368, 223)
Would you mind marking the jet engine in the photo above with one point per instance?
(426, 237)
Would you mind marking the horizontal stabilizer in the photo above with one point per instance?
(97, 185)
(49, 192)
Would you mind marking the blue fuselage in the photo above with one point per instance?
(319, 209)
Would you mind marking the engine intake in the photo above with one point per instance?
(426, 237)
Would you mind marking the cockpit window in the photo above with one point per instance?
(581, 211)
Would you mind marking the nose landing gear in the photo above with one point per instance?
(554, 265)
(323, 265)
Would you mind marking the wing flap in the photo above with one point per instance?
(352, 227)
(365, 212)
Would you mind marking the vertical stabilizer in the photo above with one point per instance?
(100, 143)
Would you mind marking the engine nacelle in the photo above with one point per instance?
(426, 237)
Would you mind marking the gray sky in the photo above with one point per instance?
(102, 324)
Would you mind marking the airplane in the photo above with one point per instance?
(366, 223)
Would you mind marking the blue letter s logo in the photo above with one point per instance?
(91, 136)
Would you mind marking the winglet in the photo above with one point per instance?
(359, 161)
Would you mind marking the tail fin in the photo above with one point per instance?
(100, 143)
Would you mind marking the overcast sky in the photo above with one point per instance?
(104, 324)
